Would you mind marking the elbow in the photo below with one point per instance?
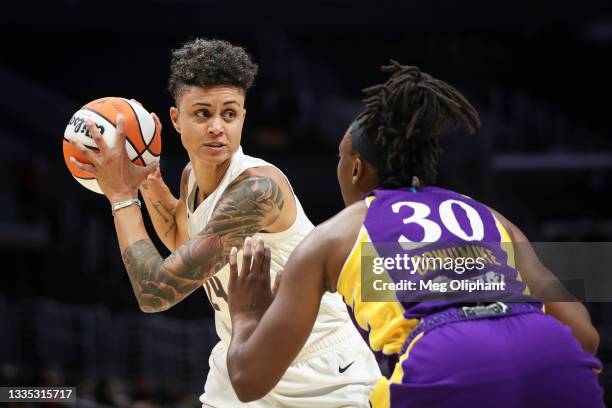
(590, 341)
(246, 387)
(147, 309)
(252, 378)
(249, 396)
(150, 307)
(587, 337)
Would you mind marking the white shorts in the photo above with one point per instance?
(339, 372)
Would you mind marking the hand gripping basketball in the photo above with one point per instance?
(117, 176)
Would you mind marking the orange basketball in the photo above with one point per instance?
(143, 141)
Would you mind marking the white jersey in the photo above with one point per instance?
(332, 313)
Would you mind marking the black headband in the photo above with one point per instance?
(364, 145)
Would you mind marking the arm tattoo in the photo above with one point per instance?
(253, 204)
(167, 214)
(168, 217)
(157, 207)
(248, 206)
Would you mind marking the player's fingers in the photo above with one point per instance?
(258, 257)
(233, 262)
(247, 255)
(158, 124)
(149, 168)
(120, 135)
(277, 282)
(95, 134)
(156, 172)
(83, 166)
(84, 150)
(265, 267)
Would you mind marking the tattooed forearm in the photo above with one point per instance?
(159, 283)
(248, 206)
(141, 260)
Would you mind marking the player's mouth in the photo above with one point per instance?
(214, 146)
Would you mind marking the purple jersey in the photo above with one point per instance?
(451, 240)
(526, 360)
(431, 230)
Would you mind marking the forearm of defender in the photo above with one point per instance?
(238, 362)
(261, 350)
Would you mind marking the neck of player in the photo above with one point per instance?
(209, 175)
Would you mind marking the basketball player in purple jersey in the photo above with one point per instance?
(452, 352)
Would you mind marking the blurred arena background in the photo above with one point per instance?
(539, 72)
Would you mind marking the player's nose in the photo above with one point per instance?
(216, 126)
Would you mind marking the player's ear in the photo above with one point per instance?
(358, 169)
(174, 116)
(364, 175)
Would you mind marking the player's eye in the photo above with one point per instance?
(203, 113)
(229, 114)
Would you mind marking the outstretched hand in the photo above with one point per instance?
(117, 176)
(250, 293)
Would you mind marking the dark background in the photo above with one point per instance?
(538, 72)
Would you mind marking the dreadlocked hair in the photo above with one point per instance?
(404, 117)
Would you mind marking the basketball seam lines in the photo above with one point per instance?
(140, 129)
(153, 138)
(89, 147)
(138, 154)
(84, 178)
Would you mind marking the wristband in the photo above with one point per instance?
(125, 203)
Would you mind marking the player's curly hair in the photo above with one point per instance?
(404, 117)
(204, 62)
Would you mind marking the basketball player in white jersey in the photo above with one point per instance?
(225, 196)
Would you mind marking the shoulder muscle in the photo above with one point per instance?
(249, 205)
